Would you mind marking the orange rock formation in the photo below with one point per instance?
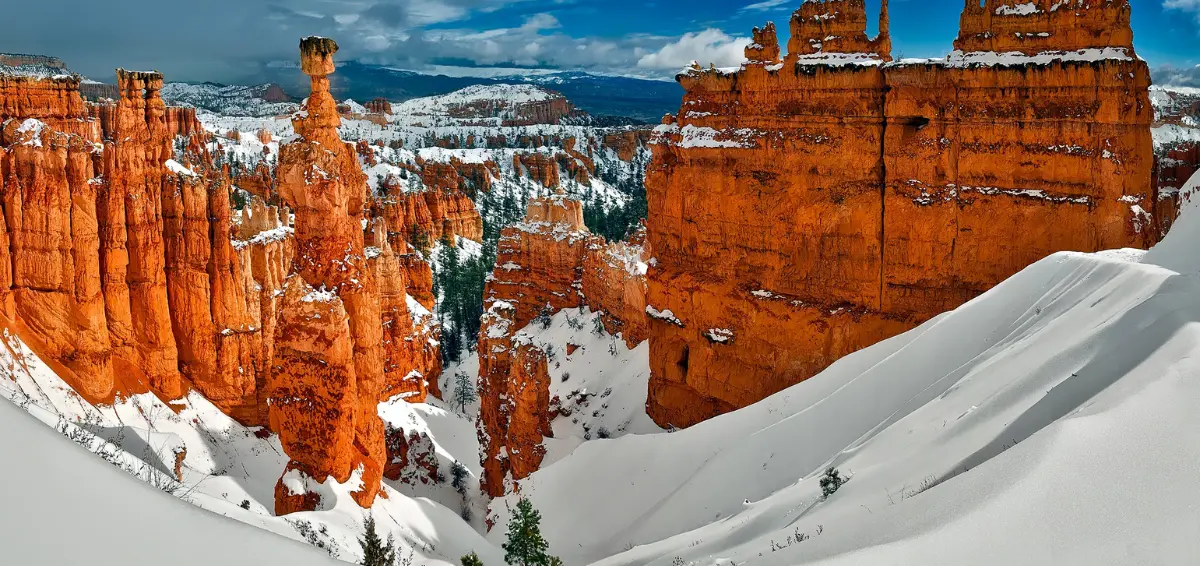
(800, 213)
(329, 356)
(123, 265)
(545, 264)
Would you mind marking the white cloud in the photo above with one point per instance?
(708, 46)
(1188, 5)
(1184, 5)
(773, 4)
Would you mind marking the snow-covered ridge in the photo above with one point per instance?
(233, 100)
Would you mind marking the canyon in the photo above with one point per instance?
(806, 206)
(129, 271)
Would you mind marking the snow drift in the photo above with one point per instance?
(1051, 420)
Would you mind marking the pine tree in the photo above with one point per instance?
(525, 546)
(458, 477)
(464, 390)
(375, 552)
(471, 559)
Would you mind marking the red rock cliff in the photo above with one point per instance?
(798, 214)
(545, 264)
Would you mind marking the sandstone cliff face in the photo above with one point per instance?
(124, 268)
(827, 26)
(1044, 25)
(538, 267)
(379, 106)
(798, 214)
(545, 264)
(614, 282)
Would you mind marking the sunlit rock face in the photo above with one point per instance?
(547, 263)
(800, 211)
(329, 356)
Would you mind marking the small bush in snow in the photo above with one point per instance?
(603, 433)
(245, 504)
(471, 559)
(831, 481)
(458, 475)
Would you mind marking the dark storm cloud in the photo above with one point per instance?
(186, 40)
(392, 14)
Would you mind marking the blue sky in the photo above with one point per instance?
(226, 40)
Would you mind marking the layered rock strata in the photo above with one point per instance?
(802, 211)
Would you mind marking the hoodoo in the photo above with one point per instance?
(810, 209)
(328, 355)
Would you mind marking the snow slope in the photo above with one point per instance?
(66, 506)
(228, 470)
(1050, 421)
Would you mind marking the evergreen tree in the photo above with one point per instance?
(525, 546)
(464, 390)
(471, 559)
(375, 551)
(458, 477)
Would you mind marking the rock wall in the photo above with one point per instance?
(545, 264)
(614, 283)
(1036, 26)
(800, 212)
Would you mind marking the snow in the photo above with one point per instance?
(179, 168)
(691, 136)
(226, 466)
(959, 59)
(34, 129)
(1050, 419)
(70, 507)
(666, 315)
(1024, 9)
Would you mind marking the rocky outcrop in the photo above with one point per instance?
(329, 355)
(547, 263)
(614, 283)
(1037, 26)
(52, 101)
(825, 26)
(125, 267)
(800, 213)
(379, 106)
(538, 166)
(457, 175)
(627, 143)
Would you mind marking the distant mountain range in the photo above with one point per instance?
(599, 95)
